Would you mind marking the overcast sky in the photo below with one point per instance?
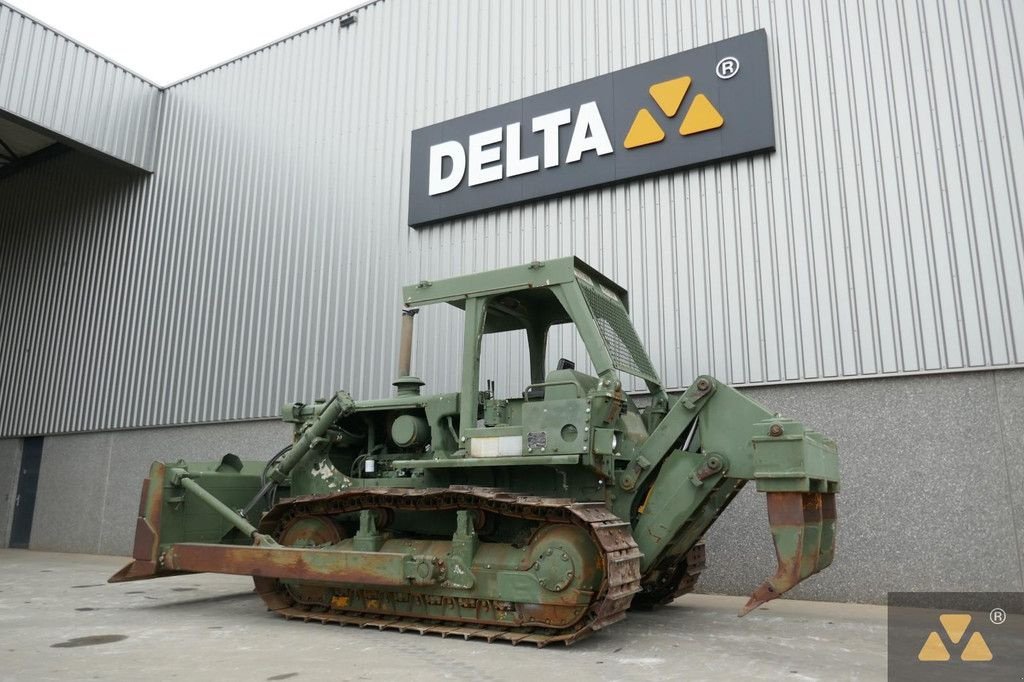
(167, 41)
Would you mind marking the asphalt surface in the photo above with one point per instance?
(59, 619)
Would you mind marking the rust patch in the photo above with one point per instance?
(795, 520)
(289, 563)
(143, 496)
(145, 541)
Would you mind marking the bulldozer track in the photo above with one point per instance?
(612, 536)
(685, 572)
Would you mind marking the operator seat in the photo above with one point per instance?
(563, 383)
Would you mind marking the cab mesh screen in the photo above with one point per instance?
(613, 323)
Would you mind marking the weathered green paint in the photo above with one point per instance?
(182, 478)
(668, 469)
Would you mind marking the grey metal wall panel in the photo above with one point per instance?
(53, 82)
(261, 262)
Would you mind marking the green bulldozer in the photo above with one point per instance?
(538, 518)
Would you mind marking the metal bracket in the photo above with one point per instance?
(367, 538)
(713, 464)
(702, 387)
(636, 467)
(460, 559)
(423, 569)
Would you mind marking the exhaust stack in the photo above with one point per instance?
(406, 384)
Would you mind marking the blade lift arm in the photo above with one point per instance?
(311, 440)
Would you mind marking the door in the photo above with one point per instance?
(25, 500)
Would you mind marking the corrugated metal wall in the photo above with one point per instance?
(261, 263)
(57, 84)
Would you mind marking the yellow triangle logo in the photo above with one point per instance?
(669, 94)
(701, 116)
(976, 649)
(933, 649)
(955, 625)
(645, 130)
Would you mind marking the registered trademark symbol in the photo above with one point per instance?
(997, 616)
(727, 67)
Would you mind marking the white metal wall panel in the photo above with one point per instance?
(57, 84)
(261, 263)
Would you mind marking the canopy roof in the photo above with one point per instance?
(520, 295)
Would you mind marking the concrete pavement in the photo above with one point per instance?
(59, 619)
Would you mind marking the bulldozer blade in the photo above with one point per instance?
(803, 529)
(146, 548)
(142, 570)
(185, 511)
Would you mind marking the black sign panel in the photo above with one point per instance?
(706, 104)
